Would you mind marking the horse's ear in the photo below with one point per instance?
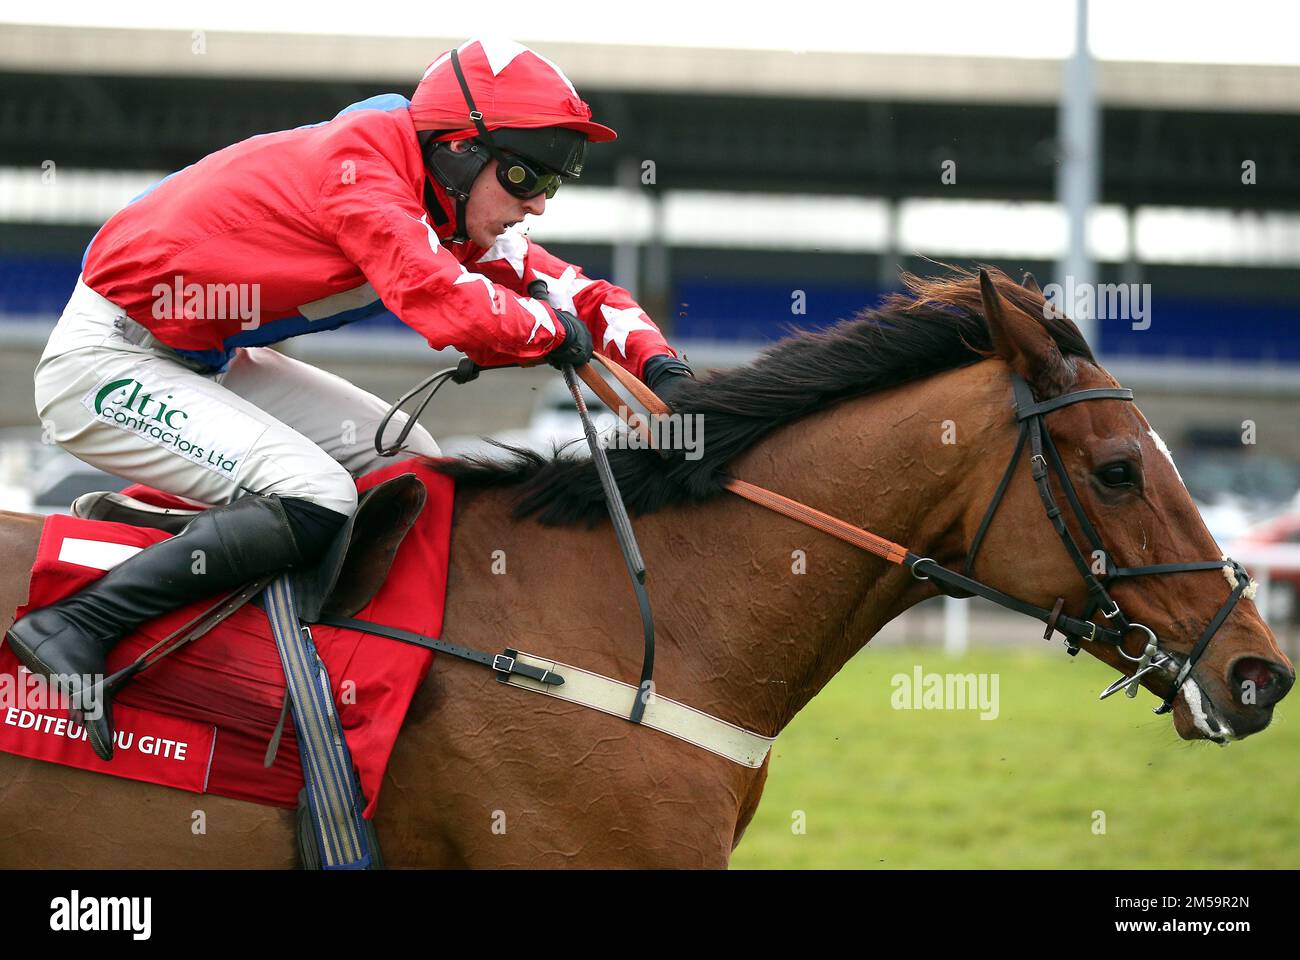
(1024, 343)
(1030, 284)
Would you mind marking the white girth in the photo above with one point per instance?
(667, 716)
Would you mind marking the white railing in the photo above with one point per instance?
(1262, 561)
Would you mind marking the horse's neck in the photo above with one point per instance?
(754, 613)
(787, 605)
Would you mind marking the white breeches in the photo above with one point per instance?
(111, 395)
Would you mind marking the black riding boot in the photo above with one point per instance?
(220, 549)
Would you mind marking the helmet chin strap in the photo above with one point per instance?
(456, 171)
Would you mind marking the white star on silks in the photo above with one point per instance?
(542, 315)
(563, 288)
(467, 277)
(619, 323)
(512, 247)
(434, 243)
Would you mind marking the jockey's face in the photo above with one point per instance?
(491, 209)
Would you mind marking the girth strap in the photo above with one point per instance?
(504, 664)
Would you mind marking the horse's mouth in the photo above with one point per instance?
(1197, 718)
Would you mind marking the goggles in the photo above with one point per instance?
(523, 178)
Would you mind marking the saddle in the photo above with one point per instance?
(348, 575)
(340, 584)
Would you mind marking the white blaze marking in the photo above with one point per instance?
(1160, 445)
(1192, 694)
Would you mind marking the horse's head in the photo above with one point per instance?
(1126, 488)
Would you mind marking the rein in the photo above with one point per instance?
(467, 370)
(1044, 460)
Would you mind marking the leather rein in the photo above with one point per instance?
(1044, 461)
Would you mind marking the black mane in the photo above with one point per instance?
(936, 325)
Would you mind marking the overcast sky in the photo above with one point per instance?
(1204, 31)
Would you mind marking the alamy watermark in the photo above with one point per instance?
(1099, 301)
(77, 912)
(208, 301)
(946, 691)
(27, 692)
(658, 431)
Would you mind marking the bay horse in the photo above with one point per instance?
(899, 420)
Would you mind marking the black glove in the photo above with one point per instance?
(666, 375)
(576, 346)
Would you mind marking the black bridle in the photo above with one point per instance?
(1045, 460)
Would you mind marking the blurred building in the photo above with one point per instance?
(748, 191)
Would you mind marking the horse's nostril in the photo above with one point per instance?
(1253, 671)
(1260, 682)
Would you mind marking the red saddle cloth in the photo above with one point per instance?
(201, 718)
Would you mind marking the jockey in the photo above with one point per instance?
(159, 369)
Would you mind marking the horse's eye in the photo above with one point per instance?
(1118, 474)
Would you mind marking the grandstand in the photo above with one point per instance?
(772, 172)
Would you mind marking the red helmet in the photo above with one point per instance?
(512, 85)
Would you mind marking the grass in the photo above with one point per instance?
(887, 788)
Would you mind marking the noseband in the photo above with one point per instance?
(1045, 460)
